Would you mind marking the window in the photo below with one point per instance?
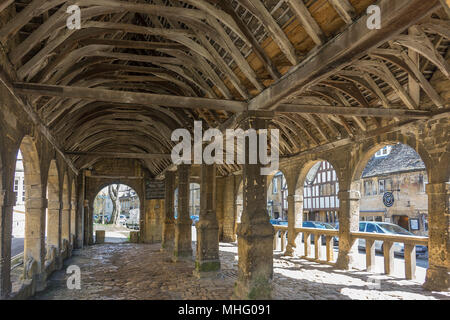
(371, 228)
(389, 186)
(367, 187)
(275, 186)
(362, 226)
(383, 152)
(381, 186)
(16, 185)
(422, 183)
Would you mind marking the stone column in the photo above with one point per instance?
(86, 222)
(168, 230)
(7, 202)
(438, 272)
(348, 222)
(34, 246)
(91, 224)
(207, 262)
(255, 232)
(79, 225)
(295, 220)
(54, 225)
(65, 224)
(229, 218)
(183, 224)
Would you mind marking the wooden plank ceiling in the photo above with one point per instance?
(137, 70)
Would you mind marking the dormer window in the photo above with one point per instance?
(383, 152)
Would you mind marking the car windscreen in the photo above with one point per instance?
(392, 228)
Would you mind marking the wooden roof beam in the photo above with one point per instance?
(127, 97)
(353, 43)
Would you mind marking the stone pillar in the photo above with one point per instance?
(437, 278)
(229, 210)
(65, 222)
(86, 222)
(73, 223)
(153, 210)
(183, 224)
(255, 232)
(34, 246)
(168, 230)
(7, 202)
(54, 225)
(348, 222)
(207, 261)
(295, 220)
(91, 224)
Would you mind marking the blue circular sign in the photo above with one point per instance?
(388, 199)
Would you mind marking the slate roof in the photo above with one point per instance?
(401, 159)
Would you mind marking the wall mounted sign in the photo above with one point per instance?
(154, 189)
(414, 224)
(388, 199)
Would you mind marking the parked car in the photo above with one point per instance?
(387, 228)
(195, 219)
(122, 219)
(133, 221)
(318, 225)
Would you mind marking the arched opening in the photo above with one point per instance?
(28, 244)
(277, 194)
(239, 203)
(65, 212)
(117, 212)
(317, 204)
(320, 194)
(18, 227)
(392, 179)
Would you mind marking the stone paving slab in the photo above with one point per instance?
(141, 271)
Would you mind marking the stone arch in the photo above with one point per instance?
(129, 185)
(299, 186)
(34, 247)
(367, 150)
(54, 207)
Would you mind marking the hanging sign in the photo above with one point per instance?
(388, 199)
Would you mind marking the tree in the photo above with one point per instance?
(113, 191)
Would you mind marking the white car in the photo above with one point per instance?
(387, 228)
(122, 219)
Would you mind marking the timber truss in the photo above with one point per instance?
(137, 70)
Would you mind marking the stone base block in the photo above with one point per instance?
(182, 256)
(206, 269)
(99, 236)
(437, 279)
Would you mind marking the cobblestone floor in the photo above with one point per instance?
(137, 271)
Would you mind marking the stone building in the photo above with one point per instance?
(277, 194)
(320, 194)
(98, 105)
(397, 169)
(129, 200)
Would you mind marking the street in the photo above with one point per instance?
(17, 246)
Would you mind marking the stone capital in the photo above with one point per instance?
(36, 203)
(438, 188)
(7, 198)
(349, 195)
(54, 205)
